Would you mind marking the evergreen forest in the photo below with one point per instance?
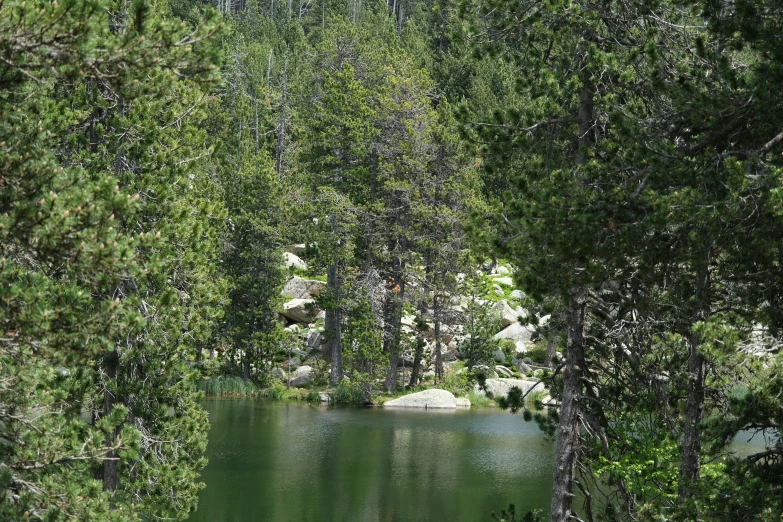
(348, 200)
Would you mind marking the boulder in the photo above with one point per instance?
(296, 249)
(505, 281)
(502, 270)
(517, 294)
(501, 387)
(521, 366)
(299, 311)
(517, 332)
(300, 288)
(279, 374)
(324, 396)
(301, 376)
(462, 402)
(293, 362)
(502, 370)
(313, 340)
(499, 355)
(427, 399)
(499, 291)
(292, 260)
(508, 315)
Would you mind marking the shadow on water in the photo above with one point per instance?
(284, 461)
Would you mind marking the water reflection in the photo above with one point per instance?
(296, 462)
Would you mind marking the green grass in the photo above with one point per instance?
(480, 400)
(227, 386)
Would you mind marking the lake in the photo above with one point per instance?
(295, 462)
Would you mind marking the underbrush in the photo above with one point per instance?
(227, 386)
(479, 399)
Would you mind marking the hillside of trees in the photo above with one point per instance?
(159, 160)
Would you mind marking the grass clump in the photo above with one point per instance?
(479, 399)
(348, 393)
(227, 386)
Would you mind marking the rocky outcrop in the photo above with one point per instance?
(502, 370)
(427, 399)
(301, 376)
(501, 387)
(292, 260)
(300, 310)
(299, 288)
(462, 402)
(517, 332)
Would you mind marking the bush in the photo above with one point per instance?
(348, 393)
(509, 347)
(456, 383)
(537, 354)
(313, 396)
(227, 386)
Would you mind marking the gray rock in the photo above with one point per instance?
(505, 281)
(294, 362)
(300, 288)
(499, 355)
(502, 370)
(508, 315)
(501, 387)
(498, 290)
(517, 294)
(279, 374)
(299, 353)
(301, 376)
(299, 311)
(324, 397)
(427, 399)
(292, 260)
(296, 249)
(521, 366)
(516, 332)
(503, 270)
(313, 340)
(462, 402)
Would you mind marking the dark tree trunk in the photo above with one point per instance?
(436, 317)
(110, 477)
(690, 463)
(568, 427)
(416, 364)
(333, 327)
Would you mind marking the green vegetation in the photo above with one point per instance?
(157, 159)
(227, 386)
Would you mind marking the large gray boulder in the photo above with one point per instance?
(462, 402)
(505, 281)
(508, 315)
(300, 288)
(299, 310)
(301, 376)
(502, 370)
(427, 399)
(313, 340)
(501, 387)
(292, 260)
(499, 355)
(279, 373)
(517, 332)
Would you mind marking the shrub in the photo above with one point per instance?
(537, 354)
(348, 393)
(509, 347)
(227, 386)
(456, 383)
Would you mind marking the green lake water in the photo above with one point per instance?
(295, 462)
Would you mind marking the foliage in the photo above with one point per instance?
(227, 386)
(349, 393)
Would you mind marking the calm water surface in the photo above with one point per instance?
(294, 462)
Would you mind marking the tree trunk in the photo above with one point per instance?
(436, 318)
(333, 326)
(110, 477)
(690, 463)
(416, 364)
(568, 427)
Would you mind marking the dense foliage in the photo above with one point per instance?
(158, 159)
